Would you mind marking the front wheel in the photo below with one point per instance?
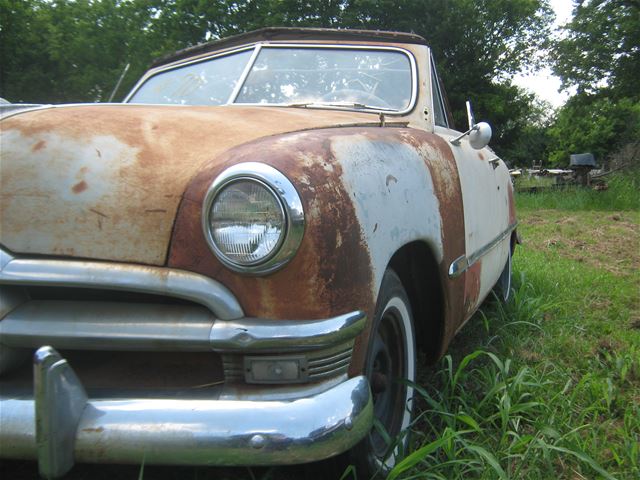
(391, 368)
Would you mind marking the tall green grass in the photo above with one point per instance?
(622, 194)
(492, 414)
(546, 385)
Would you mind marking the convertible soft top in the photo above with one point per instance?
(286, 33)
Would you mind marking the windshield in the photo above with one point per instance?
(202, 83)
(288, 75)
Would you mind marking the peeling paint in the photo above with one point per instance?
(125, 161)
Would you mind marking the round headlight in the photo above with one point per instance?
(247, 222)
(253, 218)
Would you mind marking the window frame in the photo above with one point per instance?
(436, 96)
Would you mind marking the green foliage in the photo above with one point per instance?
(546, 385)
(601, 48)
(600, 56)
(70, 51)
(598, 124)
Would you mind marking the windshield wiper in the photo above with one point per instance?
(359, 106)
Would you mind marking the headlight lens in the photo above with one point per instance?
(247, 222)
(253, 218)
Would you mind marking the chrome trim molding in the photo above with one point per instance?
(463, 263)
(245, 73)
(121, 276)
(151, 327)
(290, 203)
(285, 335)
(115, 326)
(185, 431)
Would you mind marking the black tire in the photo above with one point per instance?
(390, 363)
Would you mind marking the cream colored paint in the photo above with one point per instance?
(393, 196)
(486, 208)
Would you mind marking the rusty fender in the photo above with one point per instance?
(366, 192)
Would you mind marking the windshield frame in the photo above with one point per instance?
(257, 47)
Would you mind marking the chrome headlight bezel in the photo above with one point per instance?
(283, 190)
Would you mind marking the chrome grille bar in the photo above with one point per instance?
(121, 276)
(108, 326)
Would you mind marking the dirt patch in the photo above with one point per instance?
(530, 356)
(608, 242)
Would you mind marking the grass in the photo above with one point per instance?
(547, 385)
(621, 194)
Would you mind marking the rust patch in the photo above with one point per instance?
(512, 205)
(480, 155)
(441, 163)
(472, 288)
(331, 272)
(79, 187)
(39, 146)
(142, 157)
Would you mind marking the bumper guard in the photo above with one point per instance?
(68, 426)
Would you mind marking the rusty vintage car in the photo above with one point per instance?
(237, 263)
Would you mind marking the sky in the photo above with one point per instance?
(544, 83)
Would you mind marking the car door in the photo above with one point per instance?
(484, 180)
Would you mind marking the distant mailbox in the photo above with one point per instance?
(582, 160)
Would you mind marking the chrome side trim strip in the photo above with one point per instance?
(285, 335)
(189, 431)
(121, 276)
(463, 263)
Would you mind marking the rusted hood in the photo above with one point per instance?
(105, 181)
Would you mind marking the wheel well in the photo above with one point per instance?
(418, 270)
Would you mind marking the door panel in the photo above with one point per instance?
(486, 215)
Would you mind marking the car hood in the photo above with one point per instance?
(105, 181)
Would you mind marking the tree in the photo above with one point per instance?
(600, 56)
(23, 61)
(70, 51)
(601, 48)
(594, 124)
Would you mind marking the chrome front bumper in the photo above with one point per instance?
(61, 425)
(286, 398)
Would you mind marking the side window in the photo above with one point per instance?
(439, 115)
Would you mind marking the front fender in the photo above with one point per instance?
(366, 192)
